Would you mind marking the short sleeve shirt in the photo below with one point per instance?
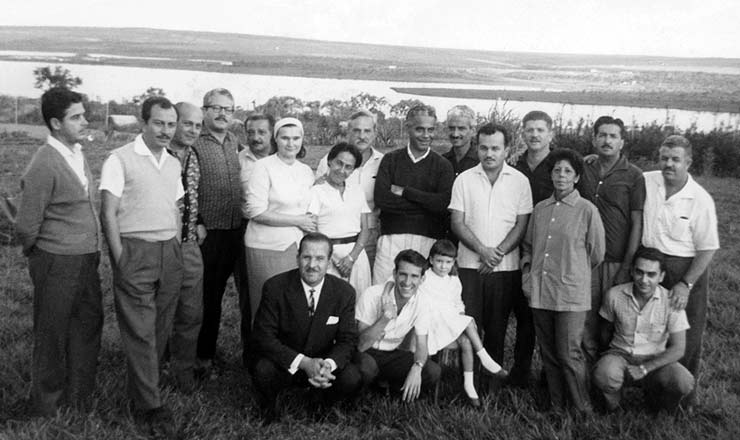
(683, 224)
(339, 214)
(490, 211)
(369, 309)
(641, 332)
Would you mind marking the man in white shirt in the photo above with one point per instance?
(141, 191)
(361, 132)
(304, 331)
(680, 220)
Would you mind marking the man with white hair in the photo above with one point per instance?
(361, 132)
(461, 129)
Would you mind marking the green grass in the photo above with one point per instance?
(223, 409)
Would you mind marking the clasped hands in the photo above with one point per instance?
(490, 258)
(318, 371)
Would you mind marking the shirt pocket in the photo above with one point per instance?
(678, 221)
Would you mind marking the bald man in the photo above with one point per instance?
(189, 313)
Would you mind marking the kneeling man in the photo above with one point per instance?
(386, 315)
(646, 338)
(305, 331)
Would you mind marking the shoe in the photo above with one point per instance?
(160, 422)
(475, 403)
(185, 381)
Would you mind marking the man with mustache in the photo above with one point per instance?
(141, 190)
(680, 220)
(617, 188)
(219, 203)
(490, 207)
(386, 315)
(189, 311)
(412, 190)
(361, 132)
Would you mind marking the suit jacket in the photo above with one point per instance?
(283, 328)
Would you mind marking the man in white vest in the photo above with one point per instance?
(141, 189)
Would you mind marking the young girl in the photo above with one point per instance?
(441, 291)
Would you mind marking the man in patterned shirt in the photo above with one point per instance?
(190, 304)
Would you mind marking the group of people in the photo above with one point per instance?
(358, 273)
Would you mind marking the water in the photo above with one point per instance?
(118, 83)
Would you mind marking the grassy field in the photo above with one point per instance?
(223, 409)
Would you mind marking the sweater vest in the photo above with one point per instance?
(148, 207)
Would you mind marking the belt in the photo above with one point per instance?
(344, 240)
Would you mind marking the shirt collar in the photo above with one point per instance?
(570, 199)
(414, 159)
(317, 288)
(505, 169)
(63, 149)
(628, 289)
(207, 133)
(247, 153)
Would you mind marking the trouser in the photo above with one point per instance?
(147, 283)
(390, 245)
(696, 312)
(560, 335)
(67, 324)
(490, 299)
(371, 245)
(602, 279)
(394, 366)
(270, 379)
(665, 386)
(223, 255)
(189, 311)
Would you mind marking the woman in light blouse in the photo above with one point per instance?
(564, 242)
(343, 216)
(278, 193)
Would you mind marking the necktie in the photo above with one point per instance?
(311, 302)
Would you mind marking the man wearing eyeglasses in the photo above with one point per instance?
(219, 202)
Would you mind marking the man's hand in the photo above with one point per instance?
(589, 159)
(491, 257)
(319, 180)
(635, 372)
(622, 276)
(201, 233)
(325, 377)
(412, 385)
(311, 366)
(344, 266)
(308, 223)
(397, 190)
(387, 302)
(679, 295)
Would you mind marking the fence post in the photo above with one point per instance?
(16, 110)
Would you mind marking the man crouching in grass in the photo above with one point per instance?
(59, 230)
(646, 337)
(386, 314)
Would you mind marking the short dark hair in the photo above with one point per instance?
(315, 237)
(572, 156)
(420, 110)
(491, 128)
(260, 117)
(345, 147)
(56, 101)
(444, 248)
(608, 120)
(648, 253)
(412, 257)
(679, 141)
(537, 115)
(159, 101)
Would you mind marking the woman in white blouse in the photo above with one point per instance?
(343, 216)
(278, 193)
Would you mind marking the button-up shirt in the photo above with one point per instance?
(369, 309)
(641, 331)
(681, 225)
(490, 211)
(616, 194)
(74, 158)
(466, 162)
(190, 181)
(564, 241)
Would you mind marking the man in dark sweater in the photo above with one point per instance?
(59, 230)
(412, 190)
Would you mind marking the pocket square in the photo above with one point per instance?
(332, 320)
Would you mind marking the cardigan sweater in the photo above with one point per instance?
(56, 213)
(422, 208)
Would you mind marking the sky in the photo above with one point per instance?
(684, 28)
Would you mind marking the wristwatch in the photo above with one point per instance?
(688, 284)
(419, 363)
(644, 370)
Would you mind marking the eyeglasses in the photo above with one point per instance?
(219, 109)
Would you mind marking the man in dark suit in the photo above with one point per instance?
(305, 331)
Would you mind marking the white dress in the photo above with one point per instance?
(442, 299)
(339, 215)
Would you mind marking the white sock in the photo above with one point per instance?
(487, 361)
(468, 385)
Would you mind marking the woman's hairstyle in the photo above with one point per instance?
(288, 122)
(345, 147)
(444, 248)
(571, 156)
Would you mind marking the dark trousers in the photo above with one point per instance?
(270, 379)
(147, 283)
(189, 311)
(67, 324)
(696, 312)
(490, 299)
(560, 335)
(394, 366)
(223, 255)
